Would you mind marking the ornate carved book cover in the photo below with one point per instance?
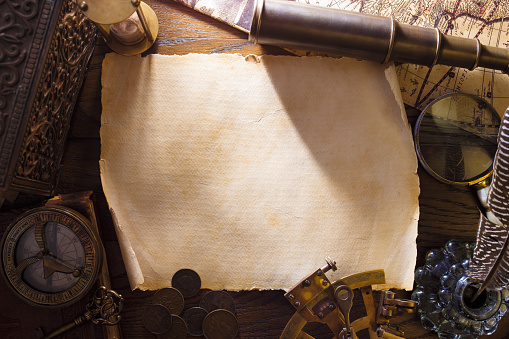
(44, 49)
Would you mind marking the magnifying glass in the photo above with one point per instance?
(456, 141)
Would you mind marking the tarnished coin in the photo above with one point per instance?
(178, 329)
(194, 320)
(220, 324)
(157, 319)
(187, 281)
(214, 300)
(170, 298)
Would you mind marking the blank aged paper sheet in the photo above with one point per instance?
(251, 170)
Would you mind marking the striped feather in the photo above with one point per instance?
(490, 261)
(498, 196)
(490, 242)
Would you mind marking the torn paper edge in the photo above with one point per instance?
(131, 264)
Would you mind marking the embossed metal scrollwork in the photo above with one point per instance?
(62, 72)
(105, 307)
(14, 29)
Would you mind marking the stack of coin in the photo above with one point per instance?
(220, 322)
(214, 319)
(162, 317)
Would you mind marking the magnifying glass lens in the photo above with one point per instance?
(456, 138)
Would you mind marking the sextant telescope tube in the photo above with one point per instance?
(368, 37)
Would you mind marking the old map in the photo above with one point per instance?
(487, 20)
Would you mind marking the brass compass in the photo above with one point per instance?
(51, 256)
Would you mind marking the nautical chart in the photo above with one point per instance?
(487, 20)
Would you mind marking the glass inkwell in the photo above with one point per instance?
(456, 142)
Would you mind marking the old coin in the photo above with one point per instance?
(214, 300)
(178, 329)
(194, 320)
(187, 281)
(157, 319)
(220, 324)
(170, 298)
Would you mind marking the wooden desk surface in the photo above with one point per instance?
(446, 212)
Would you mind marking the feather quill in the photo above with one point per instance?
(490, 261)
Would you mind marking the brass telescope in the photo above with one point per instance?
(368, 37)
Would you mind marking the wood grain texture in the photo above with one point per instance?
(446, 212)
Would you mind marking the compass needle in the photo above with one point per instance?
(52, 265)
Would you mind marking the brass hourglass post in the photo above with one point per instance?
(129, 27)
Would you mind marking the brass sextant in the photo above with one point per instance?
(319, 300)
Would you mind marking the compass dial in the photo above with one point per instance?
(51, 256)
(64, 245)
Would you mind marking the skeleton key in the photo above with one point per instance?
(103, 308)
(344, 298)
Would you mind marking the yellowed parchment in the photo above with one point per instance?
(251, 171)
